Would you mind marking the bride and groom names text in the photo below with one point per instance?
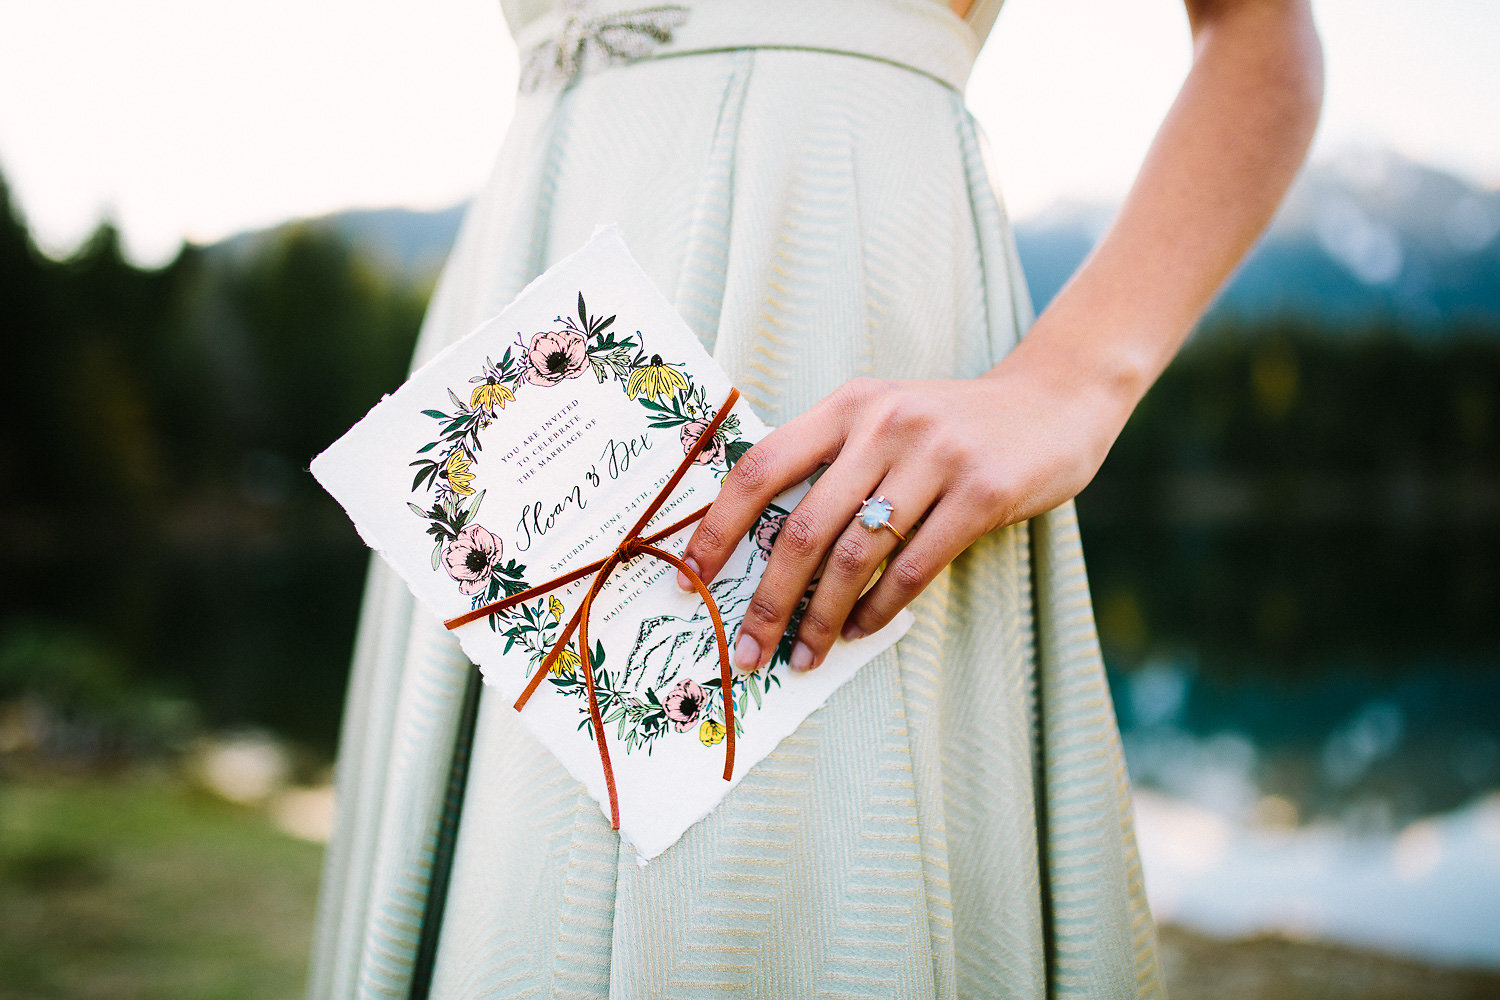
(551, 441)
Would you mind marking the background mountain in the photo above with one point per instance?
(407, 241)
(1370, 238)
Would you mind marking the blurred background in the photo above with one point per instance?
(220, 222)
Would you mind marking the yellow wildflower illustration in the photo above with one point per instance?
(567, 661)
(456, 471)
(555, 606)
(491, 396)
(711, 733)
(655, 380)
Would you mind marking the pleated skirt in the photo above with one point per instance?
(956, 821)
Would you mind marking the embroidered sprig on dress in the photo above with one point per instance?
(585, 43)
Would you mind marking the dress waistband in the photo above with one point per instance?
(919, 35)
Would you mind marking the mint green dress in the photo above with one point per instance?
(801, 178)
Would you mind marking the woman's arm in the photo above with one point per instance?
(1222, 160)
(978, 454)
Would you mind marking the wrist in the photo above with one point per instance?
(1105, 377)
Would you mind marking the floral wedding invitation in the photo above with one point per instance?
(526, 451)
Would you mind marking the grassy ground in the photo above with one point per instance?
(143, 888)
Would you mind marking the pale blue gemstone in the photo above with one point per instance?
(874, 514)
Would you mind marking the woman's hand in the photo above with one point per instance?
(962, 456)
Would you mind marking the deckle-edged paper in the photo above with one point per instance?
(528, 449)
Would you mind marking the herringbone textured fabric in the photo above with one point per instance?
(956, 821)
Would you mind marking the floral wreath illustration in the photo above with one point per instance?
(472, 555)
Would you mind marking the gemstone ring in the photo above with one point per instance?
(876, 514)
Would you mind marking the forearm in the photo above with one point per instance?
(1218, 167)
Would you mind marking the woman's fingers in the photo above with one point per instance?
(806, 536)
(942, 536)
(783, 458)
(852, 562)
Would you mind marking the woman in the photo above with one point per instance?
(802, 180)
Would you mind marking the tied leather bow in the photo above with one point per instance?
(630, 546)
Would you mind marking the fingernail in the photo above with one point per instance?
(852, 632)
(746, 652)
(682, 578)
(801, 656)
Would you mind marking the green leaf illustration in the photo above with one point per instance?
(619, 360)
(473, 510)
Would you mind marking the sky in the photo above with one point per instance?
(196, 119)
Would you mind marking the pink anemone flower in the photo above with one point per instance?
(767, 530)
(713, 450)
(685, 704)
(554, 356)
(471, 559)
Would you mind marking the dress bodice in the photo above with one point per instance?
(519, 13)
(559, 39)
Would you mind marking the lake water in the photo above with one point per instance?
(1364, 812)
